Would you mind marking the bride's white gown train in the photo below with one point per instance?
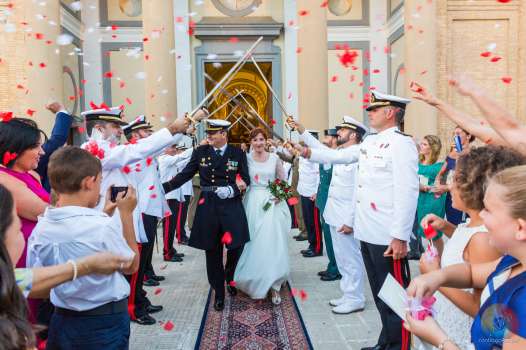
(264, 263)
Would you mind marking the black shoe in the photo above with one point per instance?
(322, 273)
(179, 255)
(184, 241)
(305, 251)
(150, 283)
(151, 309)
(174, 258)
(231, 290)
(376, 347)
(157, 278)
(300, 238)
(311, 254)
(145, 320)
(219, 304)
(331, 277)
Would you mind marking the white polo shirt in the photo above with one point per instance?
(72, 233)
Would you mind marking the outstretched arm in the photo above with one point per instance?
(186, 174)
(472, 125)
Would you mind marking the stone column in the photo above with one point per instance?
(421, 64)
(159, 62)
(92, 53)
(312, 65)
(44, 81)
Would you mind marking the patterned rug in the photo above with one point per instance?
(253, 324)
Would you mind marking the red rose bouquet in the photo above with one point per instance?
(280, 190)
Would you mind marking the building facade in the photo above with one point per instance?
(160, 57)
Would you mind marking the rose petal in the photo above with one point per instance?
(168, 326)
(227, 238)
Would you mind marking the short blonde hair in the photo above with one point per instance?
(514, 181)
(436, 146)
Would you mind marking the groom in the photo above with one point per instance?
(220, 217)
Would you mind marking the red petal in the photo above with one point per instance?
(164, 266)
(169, 326)
(324, 4)
(303, 295)
(30, 112)
(122, 84)
(39, 36)
(485, 54)
(503, 1)
(232, 283)
(233, 40)
(495, 59)
(151, 187)
(42, 65)
(201, 201)
(227, 238)
(93, 105)
(292, 201)
(108, 75)
(303, 13)
(6, 116)
(126, 169)
(299, 50)
(114, 27)
(430, 232)
(157, 291)
(256, 177)
(149, 161)
(153, 196)
(506, 80)
(294, 292)
(373, 206)
(334, 78)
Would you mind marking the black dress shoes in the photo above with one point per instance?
(305, 251)
(150, 283)
(322, 273)
(184, 241)
(219, 304)
(179, 255)
(151, 309)
(157, 278)
(376, 347)
(145, 320)
(174, 258)
(312, 254)
(231, 290)
(331, 277)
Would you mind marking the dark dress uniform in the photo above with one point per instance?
(214, 216)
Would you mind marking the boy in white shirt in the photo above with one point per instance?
(91, 311)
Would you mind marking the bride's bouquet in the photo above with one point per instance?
(280, 190)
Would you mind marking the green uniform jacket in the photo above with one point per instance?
(323, 188)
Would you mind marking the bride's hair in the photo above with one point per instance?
(255, 132)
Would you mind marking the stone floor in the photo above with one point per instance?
(185, 291)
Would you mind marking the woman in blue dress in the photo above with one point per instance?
(448, 170)
(501, 320)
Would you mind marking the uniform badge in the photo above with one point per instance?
(231, 165)
(203, 162)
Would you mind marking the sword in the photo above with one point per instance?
(224, 104)
(232, 70)
(274, 95)
(244, 108)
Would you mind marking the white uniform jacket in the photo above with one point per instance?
(309, 178)
(169, 167)
(339, 209)
(387, 184)
(116, 159)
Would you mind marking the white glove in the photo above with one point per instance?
(224, 192)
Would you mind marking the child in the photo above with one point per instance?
(469, 242)
(501, 321)
(90, 311)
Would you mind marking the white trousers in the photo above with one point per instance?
(350, 264)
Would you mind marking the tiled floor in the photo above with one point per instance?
(185, 290)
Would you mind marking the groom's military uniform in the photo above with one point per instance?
(216, 218)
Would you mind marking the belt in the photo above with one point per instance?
(113, 307)
(209, 188)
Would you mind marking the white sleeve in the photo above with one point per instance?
(311, 141)
(405, 179)
(114, 241)
(280, 170)
(122, 155)
(335, 156)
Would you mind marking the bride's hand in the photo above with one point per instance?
(276, 200)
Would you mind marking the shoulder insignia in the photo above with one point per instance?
(401, 133)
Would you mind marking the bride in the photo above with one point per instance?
(264, 263)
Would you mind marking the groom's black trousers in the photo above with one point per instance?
(219, 273)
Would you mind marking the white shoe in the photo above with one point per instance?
(276, 298)
(337, 302)
(347, 308)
